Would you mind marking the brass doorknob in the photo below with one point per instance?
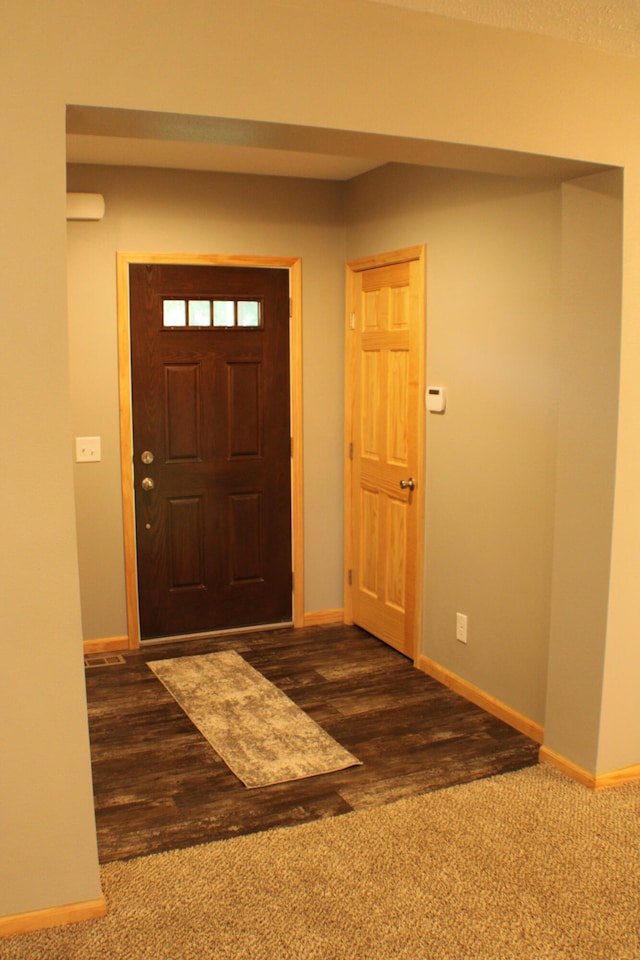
(409, 484)
(147, 483)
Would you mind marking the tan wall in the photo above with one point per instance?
(47, 825)
(589, 362)
(343, 64)
(179, 212)
(492, 311)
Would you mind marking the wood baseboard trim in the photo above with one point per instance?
(323, 617)
(52, 917)
(481, 699)
(604, 781)
(567, 767)
(108, 645)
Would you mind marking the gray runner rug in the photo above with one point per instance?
(261, 734)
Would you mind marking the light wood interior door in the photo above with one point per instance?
(385, 437)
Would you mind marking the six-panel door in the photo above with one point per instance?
(386, 496)
(211, 413)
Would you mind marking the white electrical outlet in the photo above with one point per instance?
(461, 627)
(88, 449)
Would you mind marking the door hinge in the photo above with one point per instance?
(351, 451)
(350, 577)
(352, 321)
(291, 446)
(290, 308)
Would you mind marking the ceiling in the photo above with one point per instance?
(181, 155)
(612, 25)
(128, 139)
(177, 141)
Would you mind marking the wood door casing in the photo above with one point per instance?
(123, 262)
(385, 434)
(212, 405)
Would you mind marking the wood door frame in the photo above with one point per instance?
(294, 266)
(354, 267)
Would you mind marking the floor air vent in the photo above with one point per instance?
(102, 659)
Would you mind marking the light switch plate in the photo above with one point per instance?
(88, 449)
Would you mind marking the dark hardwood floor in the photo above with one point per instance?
(158, 784)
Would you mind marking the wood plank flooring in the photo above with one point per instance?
(158, 784)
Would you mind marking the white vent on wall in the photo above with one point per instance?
(85, 206)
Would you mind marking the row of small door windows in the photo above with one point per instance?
(211, 313)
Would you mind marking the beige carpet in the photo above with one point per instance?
(525, 865)
(260, 733)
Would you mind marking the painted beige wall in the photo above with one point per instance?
(343, 64)
(180, 212)
(48, 850)
(492, 313)
(589, 359)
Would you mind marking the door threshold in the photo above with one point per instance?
(226, 632)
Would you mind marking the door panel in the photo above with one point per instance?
(246, 523)
(244, 389)
(385, 391)
(182, 411)
(210, 403)
(186, 542)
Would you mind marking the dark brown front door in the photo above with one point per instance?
(210, 403)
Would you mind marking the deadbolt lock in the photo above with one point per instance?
(146, 456)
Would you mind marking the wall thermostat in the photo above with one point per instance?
(436, 399)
